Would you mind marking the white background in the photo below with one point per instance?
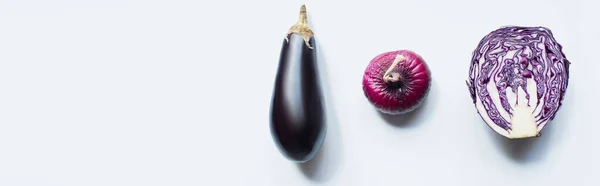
(177, 92)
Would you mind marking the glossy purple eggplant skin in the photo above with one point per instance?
(297, 114)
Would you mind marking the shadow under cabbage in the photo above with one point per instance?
(526, 150)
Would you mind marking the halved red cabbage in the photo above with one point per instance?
(518, 78)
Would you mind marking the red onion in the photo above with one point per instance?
(397, 82)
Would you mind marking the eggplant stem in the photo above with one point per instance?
(302, 19)
(301, 28)
(393, 77)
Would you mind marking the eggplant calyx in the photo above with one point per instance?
(301, 28)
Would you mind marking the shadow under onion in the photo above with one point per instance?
(403, 120)
(412, 118)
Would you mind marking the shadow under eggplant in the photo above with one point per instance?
(327, 161)
(324, 165)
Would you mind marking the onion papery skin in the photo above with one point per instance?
(404, 95)
(518, 78)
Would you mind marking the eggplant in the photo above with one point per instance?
(297, 119)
